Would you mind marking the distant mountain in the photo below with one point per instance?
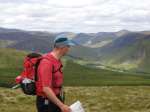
(83, 38)
(71, 35)
(32, 44)
(89, 39)
(28, 40)
(98, 39)
(83, 52)
(128, 51)
(123, 49)
(8, 30)
(123, 41)
(41, 42)
(121, 33)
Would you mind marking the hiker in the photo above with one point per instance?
(50, 78)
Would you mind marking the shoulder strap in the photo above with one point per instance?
(53, 72)
(53, 69)
(36, 70)
(59, 69)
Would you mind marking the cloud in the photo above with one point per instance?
(75, 15)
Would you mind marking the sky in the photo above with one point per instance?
(75, 15)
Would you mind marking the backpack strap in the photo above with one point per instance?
(36, 69)
(53, 70)
(59, 69)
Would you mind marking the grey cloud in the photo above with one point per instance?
(75, 15)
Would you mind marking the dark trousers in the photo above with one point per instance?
(44, 105)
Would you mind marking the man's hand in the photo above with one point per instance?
(65, 108)
(52, 97)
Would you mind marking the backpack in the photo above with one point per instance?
(29, 76)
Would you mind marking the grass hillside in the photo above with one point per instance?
(83, 52)
(75, 74)
(5, 43)
(93, 99)
(10, 65)
(79, 75)
(146, 61)
(131, 53)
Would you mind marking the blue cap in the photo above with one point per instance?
(62, 41)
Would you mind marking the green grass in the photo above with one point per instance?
(5, 43)
(146, 63)
(93, 99)
(74, 74)
(11, 62)
(79, 75)
(134, 57)
(95, 88)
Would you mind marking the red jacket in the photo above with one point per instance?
(45, 76)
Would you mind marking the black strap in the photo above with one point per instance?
(36, 70)
(53, 72)
(59, 69)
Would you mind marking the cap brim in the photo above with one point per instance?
(71, 43)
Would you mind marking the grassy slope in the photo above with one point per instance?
(75, 74)
(5, 43)
(130, 57)
(94, 99)
(146, 62)
(10, 65)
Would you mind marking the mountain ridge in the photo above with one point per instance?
(122, 49)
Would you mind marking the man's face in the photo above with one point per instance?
(65, 50)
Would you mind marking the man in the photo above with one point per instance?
(50, 78)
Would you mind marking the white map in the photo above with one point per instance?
(77, 107)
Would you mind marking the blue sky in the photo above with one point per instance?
(75, 15)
